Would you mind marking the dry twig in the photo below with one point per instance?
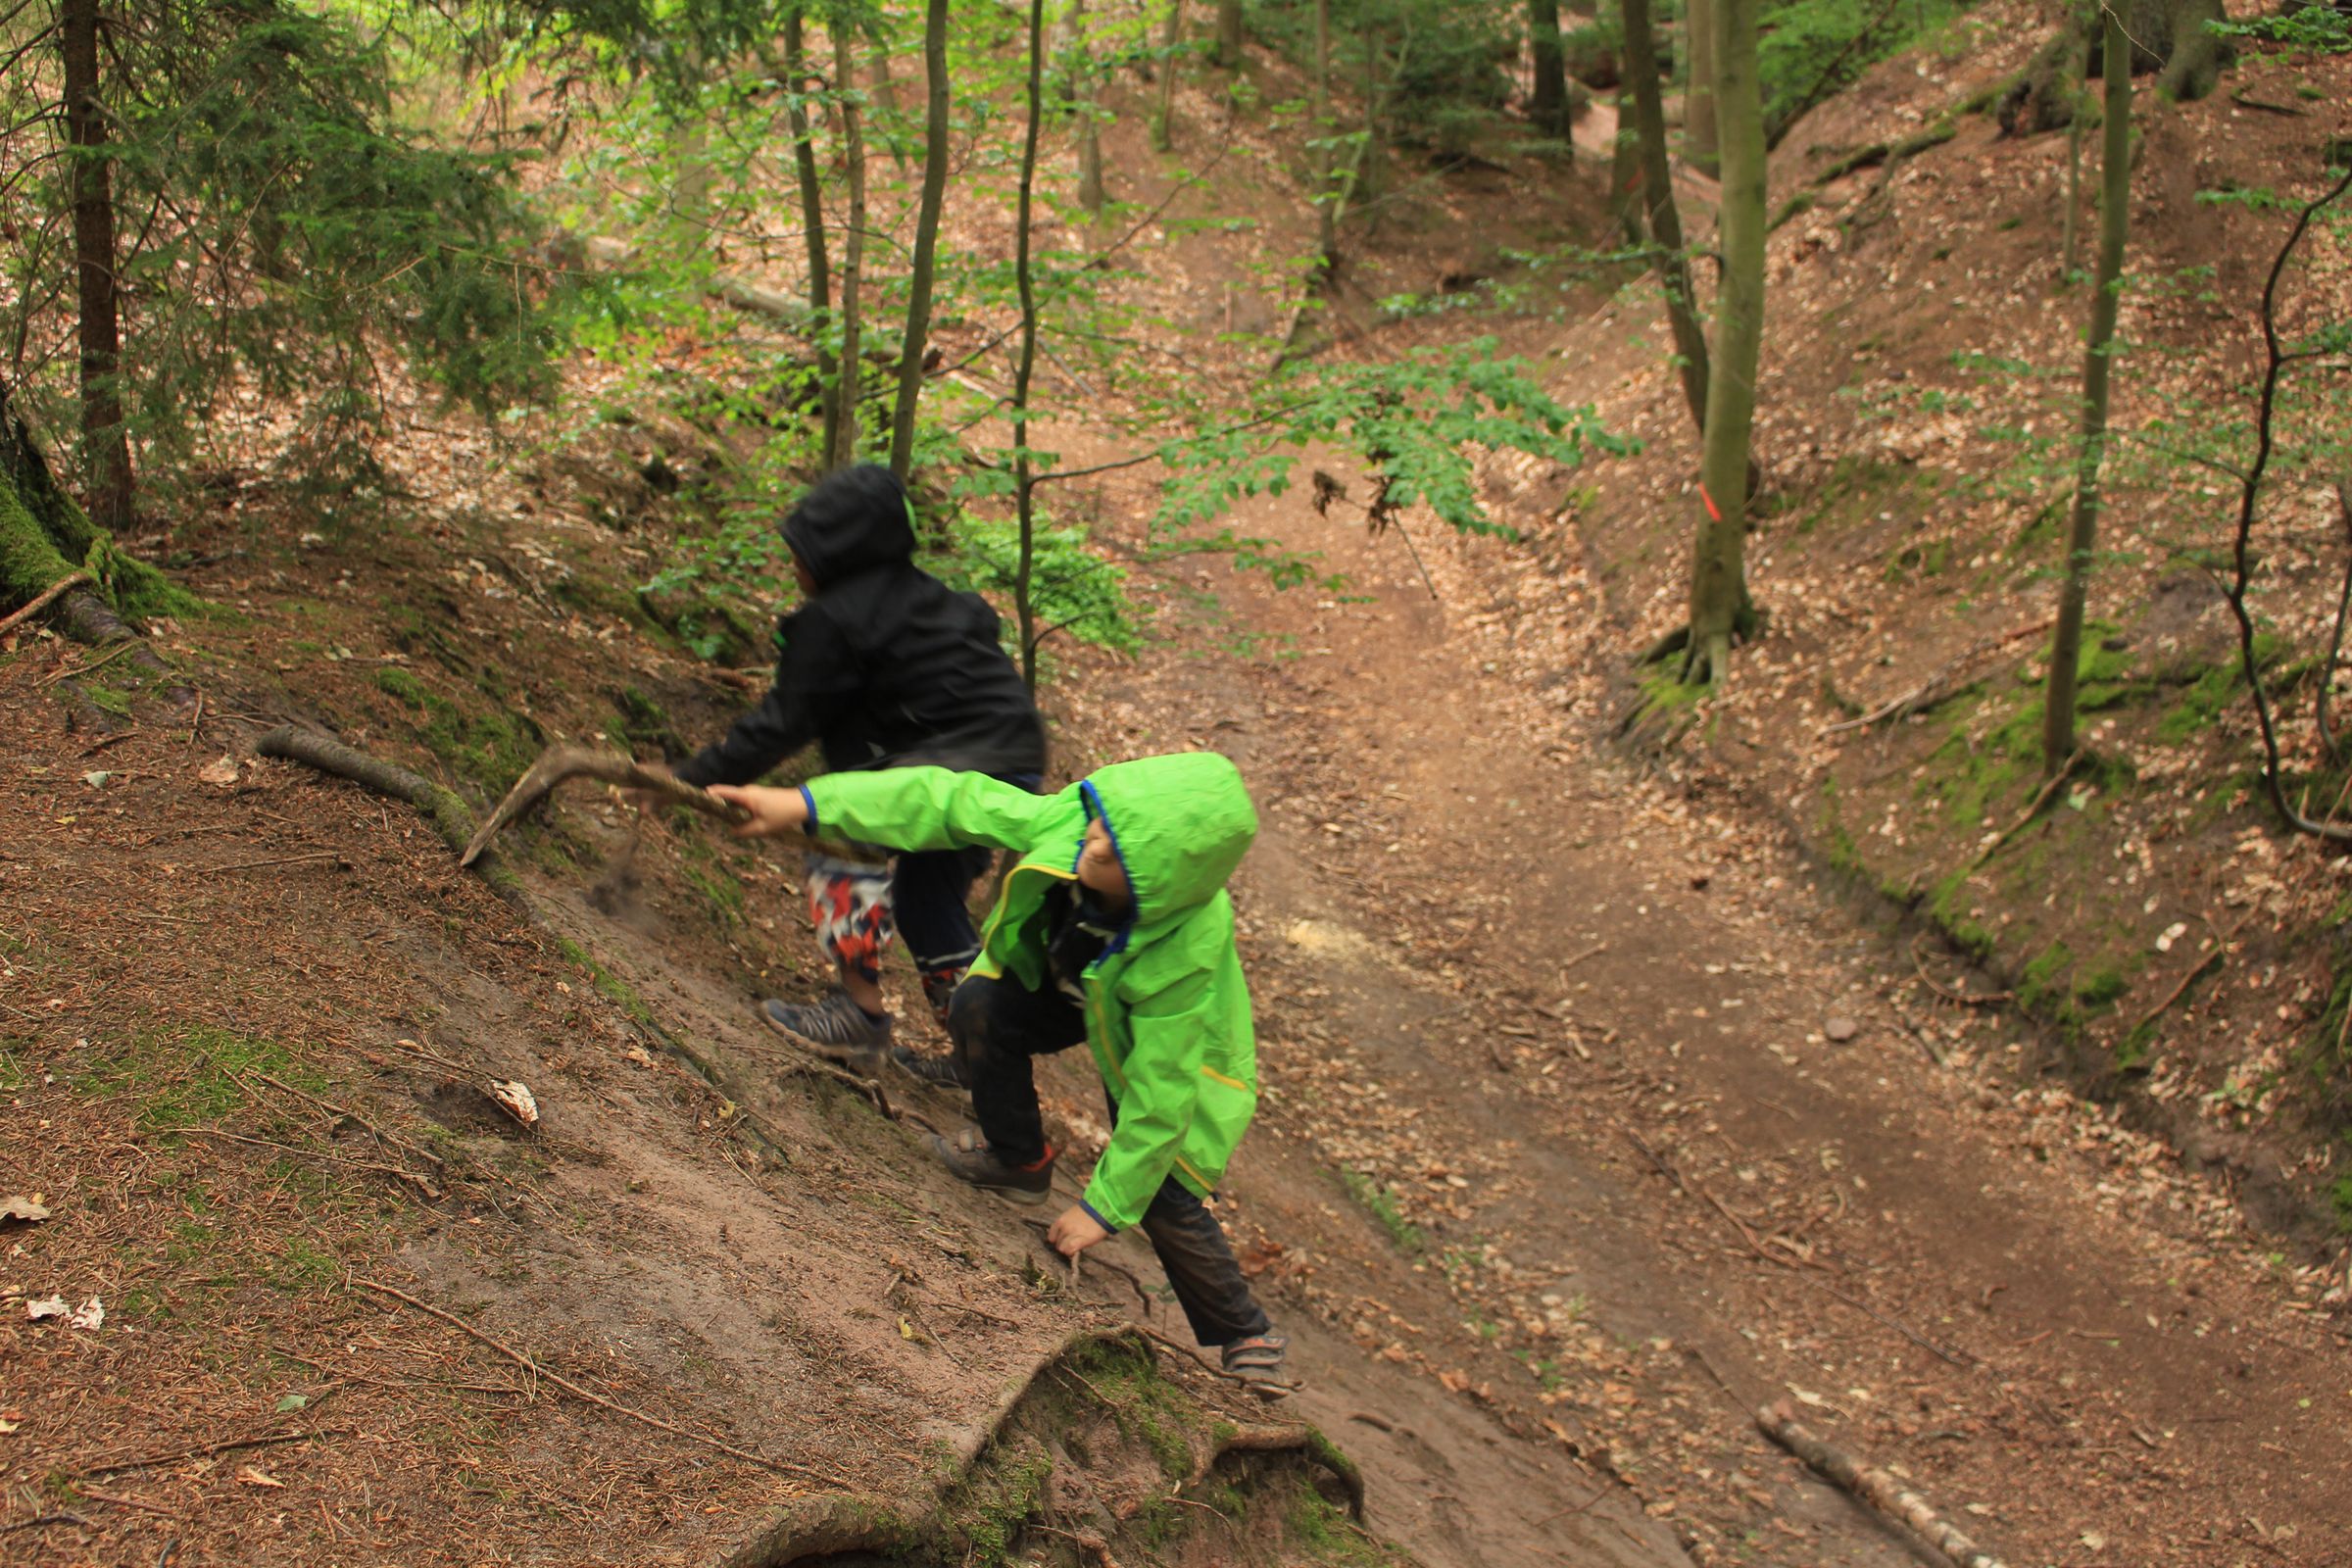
(47, 597)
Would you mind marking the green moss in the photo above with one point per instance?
(190, 1077)
(2199, 704)
(399, 683)
(304, 1268)
(2041, 988)
(610, 986)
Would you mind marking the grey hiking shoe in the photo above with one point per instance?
(969, 1158)
(1255, 1363)
(945, 1071)
(836, 1029)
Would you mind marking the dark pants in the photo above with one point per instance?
(999, 1026)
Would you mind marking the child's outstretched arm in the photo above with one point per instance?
(925, 808)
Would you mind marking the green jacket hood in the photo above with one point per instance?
(1180, 823)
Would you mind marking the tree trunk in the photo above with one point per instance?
(1720, 608)
(926, 238)
(1229, 35)
(2067, 249)
(1079, 78)
(2115, 211)
(1625, 171)
(843, 448)
(1665, 224)
(106, 443)
(46, 539)
(2169, 39)
(1163, 114)
(1700, 139)
(1024, 479)
(812, 224)
(1319, 127)
(1548, 103)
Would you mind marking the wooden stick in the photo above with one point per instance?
(1873, 1486)
(561, 762)
(780, 1466)
(99, 663)
(1917, 696)
(2042, 798)
(48, 596)
(205, 1451)
(2220, 950)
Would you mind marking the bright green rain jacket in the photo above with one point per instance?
(1168, 1011)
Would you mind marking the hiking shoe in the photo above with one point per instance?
(836, 1029)
(969, 1158)
(945, 1071)
(1255, 1363)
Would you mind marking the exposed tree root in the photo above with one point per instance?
(442, 808)
(1300, 1440)
(47, 597)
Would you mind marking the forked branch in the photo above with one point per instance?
(2275, 360)
(558, 763)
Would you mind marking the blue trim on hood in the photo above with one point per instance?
(1135, 901)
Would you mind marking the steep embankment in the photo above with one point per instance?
(2170, 948)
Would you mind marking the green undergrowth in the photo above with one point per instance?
(191, 1076)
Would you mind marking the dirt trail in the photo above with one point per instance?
(1558, 1114)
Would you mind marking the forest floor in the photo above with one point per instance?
(1599, 1110)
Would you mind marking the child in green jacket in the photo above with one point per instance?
(1114, 928)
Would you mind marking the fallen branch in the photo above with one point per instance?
(1927, 692)
(47, 597)
(2042, 798)
(1965, 999)
(558, 763)
(2220, 950)
(443, 810)
(1873, 1486)
(780, 1466)
(1880, 152)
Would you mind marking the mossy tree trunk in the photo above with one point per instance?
(1327, 233)
(106, 442)
(46, 538)
(926, 238)
(2114, 207)
(1720, 608)
(1625, 171)
(2169, 40)
(1665, 224)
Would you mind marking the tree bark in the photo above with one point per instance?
(2115, 211)
(1024, 478)
(1665, 224)
(1625, 171)
(1163, 112)
(106, 442)
(1699, 136)
(1319, 127)
(1229, 35)
(1548, 103)
(1873, 1486)
(1079, 77)
(1720, 610)
(812, 224)
(926, 238)
(844, 448)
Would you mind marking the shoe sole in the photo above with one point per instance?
(1028, 1197)
(863, 1061)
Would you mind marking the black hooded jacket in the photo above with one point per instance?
(885, 665)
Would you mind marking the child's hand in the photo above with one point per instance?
(773, 811)
(1074, 1232)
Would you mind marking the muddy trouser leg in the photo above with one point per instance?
(849, 902)
(929, 891)
(998, 1025)
(1216, 1300)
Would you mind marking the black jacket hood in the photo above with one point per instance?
(852, 521)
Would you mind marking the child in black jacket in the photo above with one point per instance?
(884, 666)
